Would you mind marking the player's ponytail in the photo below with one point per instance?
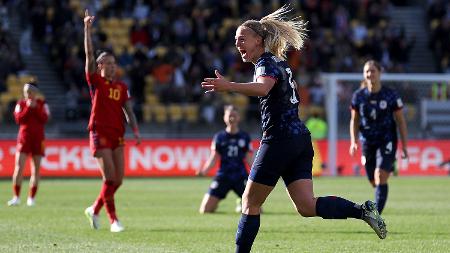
(279, 32)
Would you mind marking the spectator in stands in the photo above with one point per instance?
(31, 114)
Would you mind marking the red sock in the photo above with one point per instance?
(108, 200)
(33, 190)
(98, 204)
(116, 186)
(16, 190)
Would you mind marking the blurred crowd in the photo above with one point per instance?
(438, 15)
(168, 47)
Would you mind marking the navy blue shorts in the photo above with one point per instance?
(220, 187)
(378, 156)
(289, 159)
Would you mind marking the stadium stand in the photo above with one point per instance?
(164, 49)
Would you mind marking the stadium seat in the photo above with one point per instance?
(191, 113)
(175, 112)
(151, 99)
(147, 112)
(159, 113)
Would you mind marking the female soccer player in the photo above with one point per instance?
(286, 150)
(232, 146)
(31, 113)
(110, 100)
(376, 113)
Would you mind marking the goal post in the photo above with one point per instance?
(422, 83)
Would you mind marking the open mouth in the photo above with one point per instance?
(243, 53)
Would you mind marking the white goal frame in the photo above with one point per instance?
(331, 79)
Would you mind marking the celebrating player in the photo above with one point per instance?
(232, 146)
(286, 150)
(110, 104)
(376, 113)
(31, 113)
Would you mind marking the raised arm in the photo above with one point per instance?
(88, 48)
(131, 119)
(354, 129)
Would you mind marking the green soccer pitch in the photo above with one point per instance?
(160, 215)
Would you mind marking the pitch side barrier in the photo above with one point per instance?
(179, 158)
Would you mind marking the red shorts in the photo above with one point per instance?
(105, 138)
(31, 146)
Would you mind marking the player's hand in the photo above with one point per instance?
(88, 20)
(199, 173)
(353, 148)
(137, 137)
(217, 84)
(31, 103)
(404, 153)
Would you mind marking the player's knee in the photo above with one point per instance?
(207, 209)
(306, 212)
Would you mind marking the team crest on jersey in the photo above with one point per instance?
(241, 143)
(260, 71)
(214, 185)
(383, 104)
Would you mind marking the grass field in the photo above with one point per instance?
(161, 215)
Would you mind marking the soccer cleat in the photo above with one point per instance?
(15, 201)
(30, 201)
(94, 221)
(238, 208)
(116, 227)
(373, 218)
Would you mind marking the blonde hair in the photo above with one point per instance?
(279, 32)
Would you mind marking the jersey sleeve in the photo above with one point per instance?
(354, 102)
(265, 68)
(92, 79)
(397, 102)
(215, 142)
(44, 112)
(21, 112)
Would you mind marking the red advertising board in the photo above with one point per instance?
(160, 158)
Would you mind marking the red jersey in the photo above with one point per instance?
(108, 99)
(31, 120)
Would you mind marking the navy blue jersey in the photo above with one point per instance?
(376, 111)
(232, 149)
(279, 109)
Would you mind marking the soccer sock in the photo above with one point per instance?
(108, 200)
(98, 204)
(247, 230)
(116, 186)
(16, 190)
(332, 207)
(33, 190)
(381, 193)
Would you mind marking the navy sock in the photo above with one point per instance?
(247, 230)
(381, 193)
(332, 207)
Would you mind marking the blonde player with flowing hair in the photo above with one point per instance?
(286, 150)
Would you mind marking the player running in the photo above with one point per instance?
(286, 150)
(376, 112)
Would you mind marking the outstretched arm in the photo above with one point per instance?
(261, 87)
(131, 119)
(88, 48)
